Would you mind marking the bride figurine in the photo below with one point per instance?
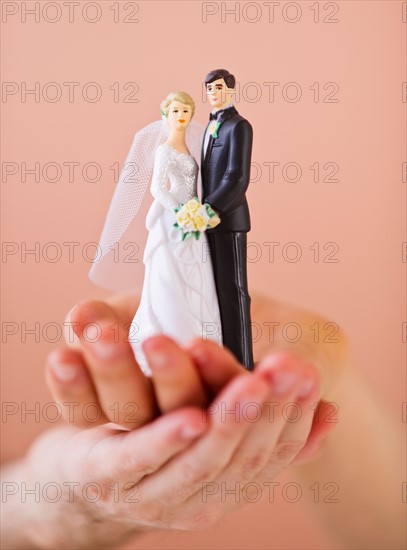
(178, 295)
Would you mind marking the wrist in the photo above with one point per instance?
(45, 506)
(16, 515)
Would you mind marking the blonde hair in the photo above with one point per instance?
(182, 97)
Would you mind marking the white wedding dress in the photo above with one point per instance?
(179, 295)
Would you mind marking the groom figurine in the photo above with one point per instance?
(225, 171)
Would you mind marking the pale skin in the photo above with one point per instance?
(167, 461)
(219, 94)
(178, 117)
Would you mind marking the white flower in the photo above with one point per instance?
(203, 213)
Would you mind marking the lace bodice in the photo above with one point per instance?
(182, 171)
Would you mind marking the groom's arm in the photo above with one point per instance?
(232, 187)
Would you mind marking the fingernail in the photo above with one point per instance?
(306, 387)
(190, 432)
(93, 333)
(99, 339)
(106, 350)
(283, 381)
(64, 372)
(156, 358)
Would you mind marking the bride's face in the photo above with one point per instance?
(179, 115)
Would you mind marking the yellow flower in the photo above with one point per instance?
(192, 206)
(199, 223)
(214, 221)
(182, 218)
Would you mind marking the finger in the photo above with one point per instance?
(130, 456)
(185, 475)
(82, 314)
(216, 366)
(175, 378)
(71, 387)
(286, 379)
(125, 305)
(124, 393)
(122, 307)
(330, 360)
(299, 383)
(324, 421)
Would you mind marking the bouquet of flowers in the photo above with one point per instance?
(193, 218)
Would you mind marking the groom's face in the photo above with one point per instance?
(219, 95)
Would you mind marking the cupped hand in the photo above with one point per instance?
(181, 470)
(95, 378)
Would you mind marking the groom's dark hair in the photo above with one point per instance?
(229, 78)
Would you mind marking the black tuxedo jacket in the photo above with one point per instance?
(225, 171)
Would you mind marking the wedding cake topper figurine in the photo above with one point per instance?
(184, 294)
(225, 167)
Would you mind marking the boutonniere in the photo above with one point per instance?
(214, 127)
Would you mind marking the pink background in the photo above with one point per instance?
(169, 48)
